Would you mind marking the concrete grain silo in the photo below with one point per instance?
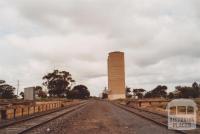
(116, 75)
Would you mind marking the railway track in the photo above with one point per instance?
(157, 118)
(25, 125)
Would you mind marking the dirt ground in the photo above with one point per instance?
(100, 117)
(162, 110)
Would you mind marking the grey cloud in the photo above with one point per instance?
(160, 39)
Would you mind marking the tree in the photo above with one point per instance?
(196, 88)
(37, 90)
(22, 94)
(139, 92)
(171, 95)
(79, 92)
(6, 91)
(2, 81)
(184, 92)
(188, 92)
(58, 82)
(42, 94)
(195, 85)
(128, 91)
(159, 91)
(105, 93)
(148, 95)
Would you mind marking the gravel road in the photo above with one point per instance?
(101, 117)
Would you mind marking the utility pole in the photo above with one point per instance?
(17, 87)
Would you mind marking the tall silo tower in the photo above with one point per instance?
(116, 75)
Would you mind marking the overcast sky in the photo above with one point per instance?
(160, 38)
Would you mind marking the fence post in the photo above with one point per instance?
(28, 110)
(3, 114)
(14, 116)
(22, 111)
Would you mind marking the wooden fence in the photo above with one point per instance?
(20, 111)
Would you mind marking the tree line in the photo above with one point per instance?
(160, 91)
(59, 84)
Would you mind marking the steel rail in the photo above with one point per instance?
(49, 120)
(153, 112)
(63, 111)
(139, 113)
